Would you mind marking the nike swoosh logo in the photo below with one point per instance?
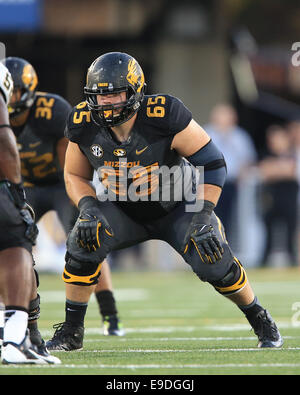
(33, 145)
(139, 152)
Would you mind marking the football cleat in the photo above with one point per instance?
(67, 337)
(25, 353)
(266, 330)
(112, 326)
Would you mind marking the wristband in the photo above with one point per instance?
(87, 202)
(204, 215)
(16, 192)
(5, 126)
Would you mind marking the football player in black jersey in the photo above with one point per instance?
(38, 120)
(147, 152)
(18, 235)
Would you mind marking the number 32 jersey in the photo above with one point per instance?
(131, 171)
(38, 138)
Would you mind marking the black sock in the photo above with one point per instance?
(32, 326)
(107, 303)
(34, 333)
(75, 312)
(252, 309)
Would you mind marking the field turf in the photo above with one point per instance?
(176, 325)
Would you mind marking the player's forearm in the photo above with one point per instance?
(210, 161)
(209, 192)
(10, 167)
(78, 187)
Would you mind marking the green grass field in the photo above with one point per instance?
(176, 325)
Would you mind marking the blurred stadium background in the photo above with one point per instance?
(202, 51)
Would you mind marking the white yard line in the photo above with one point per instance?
(122, 295)
(160, 366)
(191, 351)
(176, 329)
(166, 339)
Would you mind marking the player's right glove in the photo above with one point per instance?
(92, 227)
(17, 194)
(200, 235)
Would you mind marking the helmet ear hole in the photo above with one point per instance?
(130, 93)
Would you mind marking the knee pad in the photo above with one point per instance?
(233, 282)
(34, 309)
(81, 273)
(210, 272)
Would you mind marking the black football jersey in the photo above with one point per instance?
(131, 171)
(37, 139)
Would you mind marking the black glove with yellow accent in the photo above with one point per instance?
(201, 236)
(92, 227)
(17, 194)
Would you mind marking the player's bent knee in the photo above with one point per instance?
(81, 273)
(211, 272)
(233, 282)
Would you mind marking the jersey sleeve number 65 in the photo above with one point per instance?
(155, 106)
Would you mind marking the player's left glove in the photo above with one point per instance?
(92, 227)
(200, 235)
(17, 195)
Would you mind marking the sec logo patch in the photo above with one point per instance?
(97, 150)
